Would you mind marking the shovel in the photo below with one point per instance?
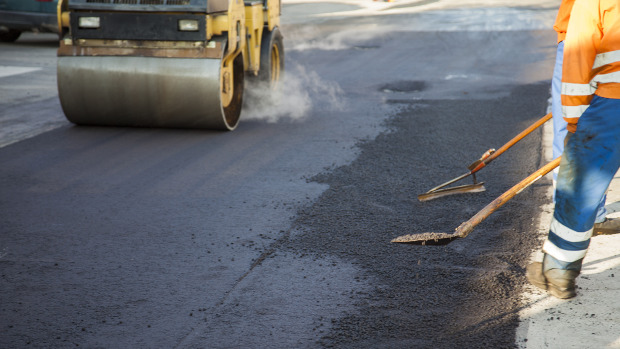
(476, 166)
(465, 228)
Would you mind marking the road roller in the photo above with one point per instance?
(165, 63)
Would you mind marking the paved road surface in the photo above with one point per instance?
(277, 234)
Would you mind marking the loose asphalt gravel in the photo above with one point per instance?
(465, 294)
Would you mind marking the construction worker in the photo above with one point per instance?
(591, 157)
(602, 225)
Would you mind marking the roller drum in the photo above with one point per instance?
(143, 92)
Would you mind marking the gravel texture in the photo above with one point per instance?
(465, 294)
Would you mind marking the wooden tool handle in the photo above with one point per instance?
(465, 228)
(512, 142)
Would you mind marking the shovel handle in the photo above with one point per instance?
(466, 227)
(512, 142)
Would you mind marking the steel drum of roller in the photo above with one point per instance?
(145, 92)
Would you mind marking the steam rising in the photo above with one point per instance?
(298, 92)
(310, 37)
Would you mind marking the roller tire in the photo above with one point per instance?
(233, 110)
(271, 57)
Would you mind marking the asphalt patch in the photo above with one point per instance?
(462, 295)
(404, 86)
(366, 47)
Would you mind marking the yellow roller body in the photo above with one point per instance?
(142, 91)
(177, 64)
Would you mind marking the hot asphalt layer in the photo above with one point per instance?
(465, 294)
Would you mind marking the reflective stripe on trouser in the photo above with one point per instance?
(559, 124)
(590, 160)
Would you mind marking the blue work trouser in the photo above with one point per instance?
(559, 124)
(590, 160)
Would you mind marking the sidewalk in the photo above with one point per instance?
(592, 319)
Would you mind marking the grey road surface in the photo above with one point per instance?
(277, 235)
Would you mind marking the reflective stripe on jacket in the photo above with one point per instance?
(561, 21)
(591, 57)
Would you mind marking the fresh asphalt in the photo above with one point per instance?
(277, 234)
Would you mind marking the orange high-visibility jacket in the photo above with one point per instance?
(591, 57)
(561, 21)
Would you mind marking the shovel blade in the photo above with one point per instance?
(426, 239)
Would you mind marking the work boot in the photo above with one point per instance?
(608, 227)
(559, 282)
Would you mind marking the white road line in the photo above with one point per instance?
(9, 70)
